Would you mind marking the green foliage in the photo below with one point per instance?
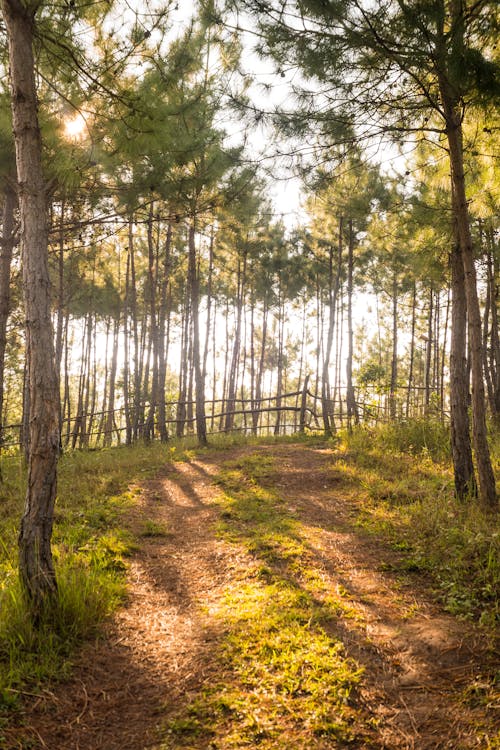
(90, 551)
(409, 501)
(87, 593)
(414, 436)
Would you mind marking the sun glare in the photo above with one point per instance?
(75, 127)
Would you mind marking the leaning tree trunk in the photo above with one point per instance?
(487, 486)
(35, 555)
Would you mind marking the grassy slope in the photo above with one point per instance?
(404, 485)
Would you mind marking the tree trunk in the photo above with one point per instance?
(110, 412)
(352, 408)
(126, 357)
(260, 372)
(35, 555)
(7, 246)
(428, 352)
(233, 370)
(183, 370)
(461, 451)
(333, 286)
(279, 373)
(487, 486)
(149, 427)
(132, 309)
(162, 316)
(494, 359)
(412, 349)
(194, 286)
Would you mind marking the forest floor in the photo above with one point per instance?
(176, 667)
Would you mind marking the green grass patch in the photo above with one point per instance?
(408, 500)
(90, 550)
(285, 680)
(151, 528)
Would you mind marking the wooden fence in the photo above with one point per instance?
(288, 413)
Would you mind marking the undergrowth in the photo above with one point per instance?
(408, 498)
(90, 548)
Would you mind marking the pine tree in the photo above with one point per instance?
(399, 69)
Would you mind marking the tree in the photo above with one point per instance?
(403, 69)
(36, 565)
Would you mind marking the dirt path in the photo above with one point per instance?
(159, 651)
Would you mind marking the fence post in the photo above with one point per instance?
(303, 402)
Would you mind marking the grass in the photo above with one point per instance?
(90, 548)
(285, 679)
(408, 499)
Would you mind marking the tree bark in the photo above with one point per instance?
(35, 555)
(162, 317)
(149, 427)
(233, 370)
(494, 359)
(412, 349)
(333, 287)
(194, 286)
(7, 246)
(110, 411)
(428, 352)
(394, 356)
(487, 488)
(352, 408)
(461, 450)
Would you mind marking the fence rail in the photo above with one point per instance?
(303, 410)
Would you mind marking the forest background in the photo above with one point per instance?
(180, 298)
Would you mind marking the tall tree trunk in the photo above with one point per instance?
(155, 344)
(443, 356)
(6, 248)
(66, 405)
(461, 450)
(493, 365)
(209, 302)
(428, 352)
(110, 412)
(333, 286)
(352, 408)
(162, 359)
(487, 486)
(183, 370)
(132, 309)
(60, 292)
(84, 430)
(35, 555)
(412, 349)
(260, 372)
(126, 356)
(226, 367)
(279, 374)
(194, 285)
(233, 370)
